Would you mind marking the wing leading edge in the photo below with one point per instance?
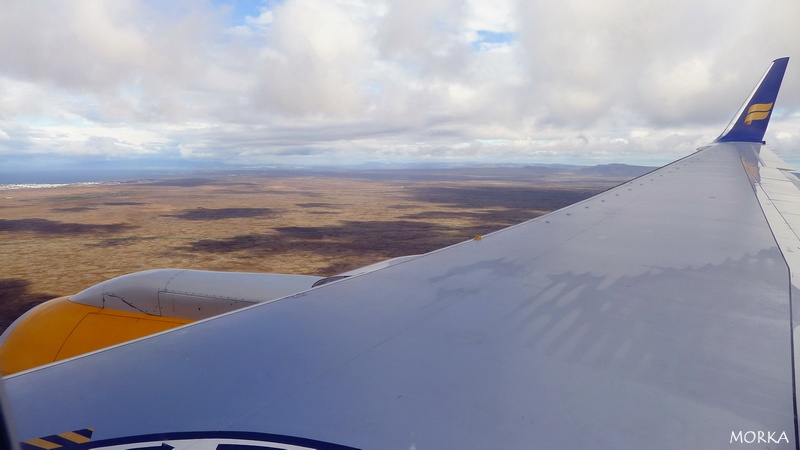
(656, 314)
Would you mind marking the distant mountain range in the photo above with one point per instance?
(418, 171)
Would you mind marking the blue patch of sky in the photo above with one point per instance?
(492, 39)
(241, 9)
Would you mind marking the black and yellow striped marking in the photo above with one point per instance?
(67, 439)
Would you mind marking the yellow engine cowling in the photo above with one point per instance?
(131, 307)
(60, 329)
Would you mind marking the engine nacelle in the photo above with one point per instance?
(134, 306)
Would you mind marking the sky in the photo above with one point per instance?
(148, 83)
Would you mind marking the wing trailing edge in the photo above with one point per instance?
(750, 123)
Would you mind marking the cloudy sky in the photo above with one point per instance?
(148, 82)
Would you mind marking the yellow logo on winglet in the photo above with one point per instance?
(758, 111)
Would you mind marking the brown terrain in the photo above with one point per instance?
(58, 241)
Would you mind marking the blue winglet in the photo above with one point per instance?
(750, 123)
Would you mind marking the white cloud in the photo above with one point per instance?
(491, 15)
(357, 80)
(313, 60)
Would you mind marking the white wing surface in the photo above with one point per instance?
(657, 314)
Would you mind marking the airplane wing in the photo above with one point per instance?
(657, 314)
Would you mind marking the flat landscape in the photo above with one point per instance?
(57, 241)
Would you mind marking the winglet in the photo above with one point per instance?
(750, 123)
